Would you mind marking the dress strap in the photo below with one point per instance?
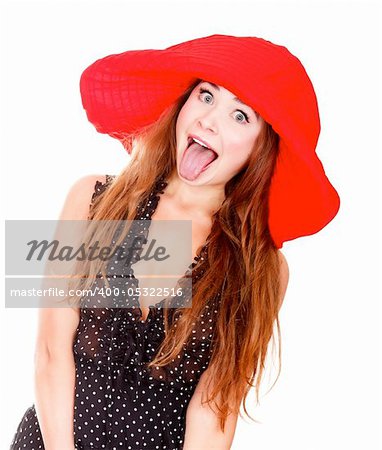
(99, 188)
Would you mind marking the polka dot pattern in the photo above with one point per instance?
(119, 402)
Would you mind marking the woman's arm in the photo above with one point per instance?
(202, 426)
(55, 377)
(54, 360)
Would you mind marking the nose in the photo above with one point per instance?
(208, 121)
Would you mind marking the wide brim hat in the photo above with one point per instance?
(125, 92)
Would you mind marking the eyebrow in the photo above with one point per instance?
(235, 98)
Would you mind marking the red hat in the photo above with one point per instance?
(124, 92)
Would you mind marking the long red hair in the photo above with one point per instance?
(242, 262)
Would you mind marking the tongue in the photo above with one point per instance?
(195, 159)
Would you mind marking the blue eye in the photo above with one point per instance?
(244, 115)
(205, 91)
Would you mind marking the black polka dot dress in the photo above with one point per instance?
(119, 402)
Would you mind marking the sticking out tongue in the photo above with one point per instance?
(195, 159)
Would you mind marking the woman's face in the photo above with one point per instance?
(213, 116)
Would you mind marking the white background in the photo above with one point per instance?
(327, 395)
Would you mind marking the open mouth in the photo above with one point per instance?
(191, 140)
(197, 158)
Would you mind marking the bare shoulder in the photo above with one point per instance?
(78, 199)
(283, 261)
(284, 274)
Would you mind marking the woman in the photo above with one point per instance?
(222, 131)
